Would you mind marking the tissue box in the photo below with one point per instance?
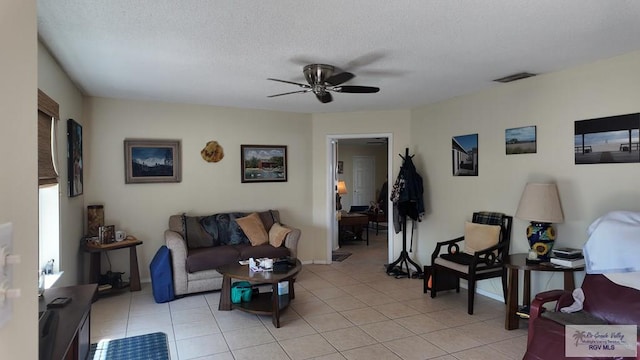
(283, 288)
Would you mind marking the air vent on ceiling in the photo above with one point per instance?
(514, 77)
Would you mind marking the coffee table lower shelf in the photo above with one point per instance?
(263, 304)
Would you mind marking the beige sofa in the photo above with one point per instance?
(200, 244)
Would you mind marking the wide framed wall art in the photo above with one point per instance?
(464, 155)
(152, 161)
(74, 158)
(520, 140)
(613, 139)
(263, 163)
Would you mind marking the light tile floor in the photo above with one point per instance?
(346, 310)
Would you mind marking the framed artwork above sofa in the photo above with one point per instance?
(263, 163)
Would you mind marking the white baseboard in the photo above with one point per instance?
(483, 292)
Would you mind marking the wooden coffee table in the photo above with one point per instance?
(267, 303)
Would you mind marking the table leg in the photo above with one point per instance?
(94, 267)
(275, 305)
(569, 283)
(292, 293)
(134, 284)
(367, 230)
(526, 292)
(225, 294)
(511, 319)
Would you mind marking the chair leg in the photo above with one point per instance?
(504, 284)
(425, 280)
(472, 292)
(433, 280)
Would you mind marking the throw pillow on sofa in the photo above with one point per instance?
(277, 233)
(195, 234)
(254, 229)
(224, 228)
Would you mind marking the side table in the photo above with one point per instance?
(377, 217)
(358, 222)
(96, 253)
(518, 262)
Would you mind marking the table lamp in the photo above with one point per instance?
(540, 204)
(342, 189)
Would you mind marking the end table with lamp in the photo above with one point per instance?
(540, 204)
(517, 262)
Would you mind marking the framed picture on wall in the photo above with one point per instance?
(263, 163)
(520, 140)
(613, 139)
(152, 161)
(74, 158)
(464, 155)
(340, 167)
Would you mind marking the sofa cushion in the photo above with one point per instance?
(195, 234)
(211, 258)
(260, 251)
(277, 234)
(253, 228)
(224, 228)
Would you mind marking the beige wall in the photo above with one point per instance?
(19, 179)
(552, 103)
(57, 85)
(206, 188)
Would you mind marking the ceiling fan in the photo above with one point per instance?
(322, 81)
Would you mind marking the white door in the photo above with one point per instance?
(364, 169)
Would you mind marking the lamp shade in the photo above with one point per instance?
(342, 188)
(540, 203)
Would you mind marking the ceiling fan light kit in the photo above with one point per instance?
(321, 80)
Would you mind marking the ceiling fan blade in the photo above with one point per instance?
(325, 98)
(291, 92)
(340, 78)
(356, 89)
(291, 82)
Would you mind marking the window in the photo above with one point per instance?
(48, 192)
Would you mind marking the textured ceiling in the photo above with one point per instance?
(418, 52)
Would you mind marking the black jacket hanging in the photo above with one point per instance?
(407, 194)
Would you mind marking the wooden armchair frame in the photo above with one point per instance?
(485, 264)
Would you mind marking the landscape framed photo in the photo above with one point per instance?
(152, 161)
(74, 158)
(520, 140)
(607, 140)
(263, 163)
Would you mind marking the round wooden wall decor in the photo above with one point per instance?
(212, 152)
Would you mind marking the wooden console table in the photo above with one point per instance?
(69, 337)
(96, 253)
(518, 262)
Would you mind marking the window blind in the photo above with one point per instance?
(48, 113)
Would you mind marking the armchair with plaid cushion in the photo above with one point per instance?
(486, 248)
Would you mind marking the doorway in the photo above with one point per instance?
(363, 163)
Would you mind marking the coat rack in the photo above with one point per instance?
(412, 194)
